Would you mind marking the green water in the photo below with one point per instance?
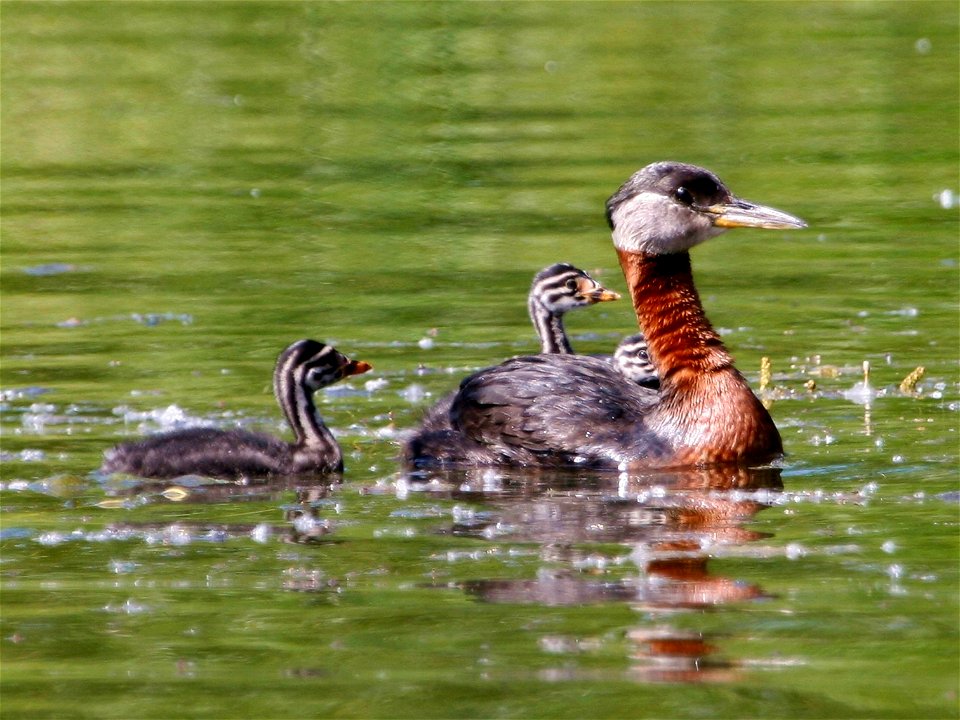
(188, 187)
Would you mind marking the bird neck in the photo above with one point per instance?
(313, 438)
(706, 409)
(549, 327)
(681, 340)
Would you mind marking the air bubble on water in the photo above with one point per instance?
(947, 199)
(51, 538)
(387, 431)
(848, 549)
(129, 607)
(413, 393)
(869, 489)
(490, 532)
(463, 514)
(171, 417)
(372, 386)
(177, 535)
(217, 535)
(862, 393)
(25, 455)
(889, 547)
(795, 551)
(122, 567)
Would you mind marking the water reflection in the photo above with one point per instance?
(671, 521)
(304, 519)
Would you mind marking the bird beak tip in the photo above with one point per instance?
(740, 213)
(358, 367)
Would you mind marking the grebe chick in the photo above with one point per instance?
(555, 291)
(632, 360)
(550, 410)
(562, 287)
(302, 368)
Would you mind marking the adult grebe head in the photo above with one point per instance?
(670, 207)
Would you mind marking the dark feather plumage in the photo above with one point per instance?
(302, 368)
(218, 453)
(516, 405)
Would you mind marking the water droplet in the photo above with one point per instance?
(795, 551)
(947, 199)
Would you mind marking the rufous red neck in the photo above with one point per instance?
(671, 316)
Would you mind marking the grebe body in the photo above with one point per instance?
(550, 410)
(302, 368)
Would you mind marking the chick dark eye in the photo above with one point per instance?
(683, 196)
(571, 284)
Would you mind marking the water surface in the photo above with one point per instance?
(188, 187)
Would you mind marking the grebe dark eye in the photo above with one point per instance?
(571, 284)
(683, 196)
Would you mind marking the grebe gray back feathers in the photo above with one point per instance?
(568, 409)
(302, 368)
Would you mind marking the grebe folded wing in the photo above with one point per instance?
(545, 409)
